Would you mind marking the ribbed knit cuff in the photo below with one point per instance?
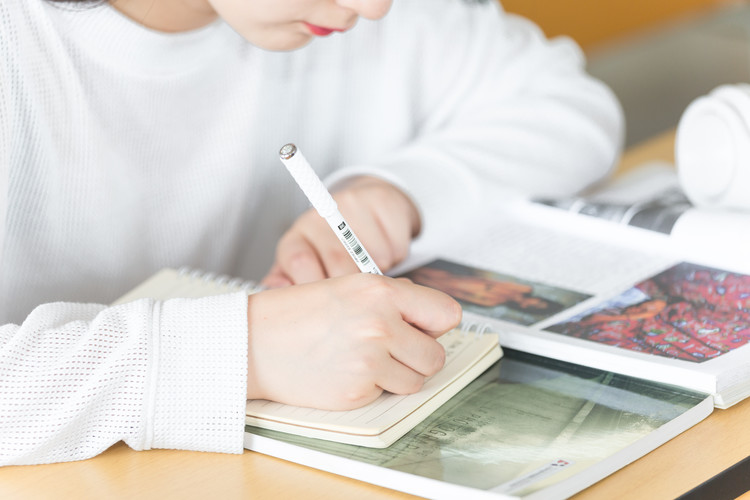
(199, 388)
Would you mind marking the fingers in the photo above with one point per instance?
(310, 251)
(297, 258)
(431, 311)
(383, 217)
(384, 220)
(423, 315)
(400, 379)
(420, 353)
(337, 343)
(381, 371)
(276, 278)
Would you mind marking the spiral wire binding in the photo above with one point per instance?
(248, 286)
(478, 328)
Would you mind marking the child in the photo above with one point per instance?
(140, 134)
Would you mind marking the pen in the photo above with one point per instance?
(325, 205)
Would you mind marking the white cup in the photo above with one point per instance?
(712, 149)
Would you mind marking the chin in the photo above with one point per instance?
(282, 43)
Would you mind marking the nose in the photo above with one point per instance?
(369, 9)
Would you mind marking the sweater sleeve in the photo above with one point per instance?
(77, 378)
(6, 118)
(502, 107)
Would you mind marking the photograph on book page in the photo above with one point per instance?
(688, 312)
(529, 425)
(496, 295)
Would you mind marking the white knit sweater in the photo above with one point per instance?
(124, 150)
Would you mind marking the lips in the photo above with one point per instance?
(322, 31)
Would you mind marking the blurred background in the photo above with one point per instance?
(657, 55)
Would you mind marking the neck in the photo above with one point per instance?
(170, 16)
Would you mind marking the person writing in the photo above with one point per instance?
(140, 134)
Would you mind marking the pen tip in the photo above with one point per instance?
(287, 151)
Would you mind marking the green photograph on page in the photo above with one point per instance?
(527, 425)
(496, 295)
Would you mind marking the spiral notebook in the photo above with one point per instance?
(469, 350)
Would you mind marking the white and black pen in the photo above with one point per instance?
(325, 205)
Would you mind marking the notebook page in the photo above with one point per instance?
(462, 350)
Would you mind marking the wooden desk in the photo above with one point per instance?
(659, 148)
(678, 466)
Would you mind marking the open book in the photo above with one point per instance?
(529, 427)
(469, 352)
(610, 296)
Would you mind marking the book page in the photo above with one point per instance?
(648, 197)
(581, 289)
(687, 312)
(528, 425)
(651, 197)
(718, 237)
(561, 249)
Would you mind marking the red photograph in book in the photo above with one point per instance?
(689, 312)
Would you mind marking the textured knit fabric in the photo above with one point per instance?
(124, 150)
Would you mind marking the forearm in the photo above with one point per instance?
(77, 378)
(502, 107)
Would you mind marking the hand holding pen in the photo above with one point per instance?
(345, 340)
(326, 206)
(381, 216)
